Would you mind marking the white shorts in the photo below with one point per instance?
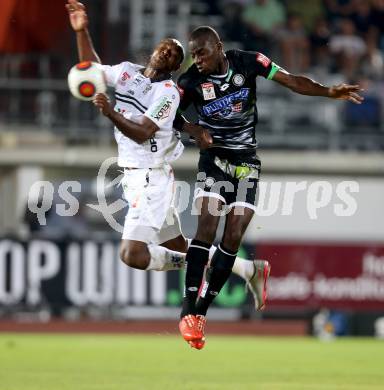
(152, 217)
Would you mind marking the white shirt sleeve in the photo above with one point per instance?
(112, 73)
(124, 70)
(163, 110)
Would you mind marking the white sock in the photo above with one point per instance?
(242, 267)
(163, 259)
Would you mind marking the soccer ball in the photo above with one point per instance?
(86, 79)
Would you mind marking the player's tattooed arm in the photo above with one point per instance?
(201, 135)
(138, 132)
(306, 86)
(79, 22)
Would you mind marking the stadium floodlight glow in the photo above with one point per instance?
(86, 79)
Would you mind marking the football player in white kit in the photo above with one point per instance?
(146, 104)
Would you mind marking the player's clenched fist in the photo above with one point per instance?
(101, 101)
(77, 15)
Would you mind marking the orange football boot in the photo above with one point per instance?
(200, 325)
(189, 329)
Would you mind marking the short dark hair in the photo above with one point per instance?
(206, 32)
(180, 50)
(179, 47)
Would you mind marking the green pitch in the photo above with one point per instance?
(99, 362)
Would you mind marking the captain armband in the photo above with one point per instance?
(274, 69)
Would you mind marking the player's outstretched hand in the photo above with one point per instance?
(77, 15)
(203, 139)
(101, 101)
(346, 92)
(201, 135)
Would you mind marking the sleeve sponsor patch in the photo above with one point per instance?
(125, 76)
(162, 109)
(181, 90)
(264, 60)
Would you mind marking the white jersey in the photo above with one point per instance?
(136, 96)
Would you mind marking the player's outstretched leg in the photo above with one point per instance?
(197, 258)
(257, 284)
(171, 257)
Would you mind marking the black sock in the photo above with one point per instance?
(196, 260)
(216, 276)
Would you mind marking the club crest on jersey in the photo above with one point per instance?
(208, 91)
(124, 77)
(238, 80)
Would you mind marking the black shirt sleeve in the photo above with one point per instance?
(257, 63)
(186, 94)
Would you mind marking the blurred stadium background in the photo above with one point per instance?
(327, 273)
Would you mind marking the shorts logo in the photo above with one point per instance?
(238, 80)
(265, 61)
(209, 182)
(208, 91)
(163, 109)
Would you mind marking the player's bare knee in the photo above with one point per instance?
(206, 230)
(232, 239)
(133, 258)
(206, 233)
(178, 244)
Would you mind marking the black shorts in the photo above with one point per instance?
(226, 178)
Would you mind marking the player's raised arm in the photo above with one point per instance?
(79, 21)
(306, 86)
(138, 132)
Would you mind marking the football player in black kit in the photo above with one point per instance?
(222, 87)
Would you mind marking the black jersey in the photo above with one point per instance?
(226, 104)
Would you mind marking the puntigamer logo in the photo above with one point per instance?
(163, 109)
